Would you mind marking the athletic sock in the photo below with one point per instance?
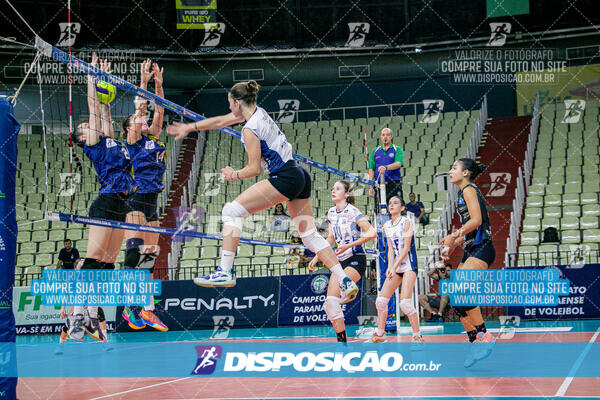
(417, 334)
(338, 271)
(379, 332)
(341, 337)
(151, 306)
(227, 260)
(472, 336)
(481, 328)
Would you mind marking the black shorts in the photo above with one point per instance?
(485, 252)
(434, 301)
(111, 206)
(145, 203)
(356, 261)
(292, 181)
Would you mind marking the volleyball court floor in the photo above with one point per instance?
(193, 387)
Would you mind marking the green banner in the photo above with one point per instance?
(503, 8)
(196, 14)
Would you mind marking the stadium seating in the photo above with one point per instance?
(564, 187)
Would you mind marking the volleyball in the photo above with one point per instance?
(105, 91)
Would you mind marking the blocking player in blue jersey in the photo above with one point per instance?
(112, 163)
(148, 156)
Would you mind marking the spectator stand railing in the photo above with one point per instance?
(523, 179)
(445, 222)
(186, 200)
(579, 255)
(353, 112)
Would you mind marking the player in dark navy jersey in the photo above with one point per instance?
(475, 236)
(113, 165)
(148, 156)
(267, 147)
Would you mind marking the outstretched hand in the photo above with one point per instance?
(177, 129)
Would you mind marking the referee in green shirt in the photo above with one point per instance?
(387, 160)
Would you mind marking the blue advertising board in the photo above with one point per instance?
(583, 300)
(301, 300)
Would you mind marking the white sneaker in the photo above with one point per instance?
(219, 278)
(348, 290)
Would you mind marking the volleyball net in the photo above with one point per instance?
(268, 243)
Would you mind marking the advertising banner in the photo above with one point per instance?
(301, 301)
(251, 303)
(582, 301)
(31, 317)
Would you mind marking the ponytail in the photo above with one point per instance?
(349, 189)
(245, 91)
(471, 166)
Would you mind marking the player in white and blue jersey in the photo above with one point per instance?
(269, 150)
(345, 225)
(402, 270)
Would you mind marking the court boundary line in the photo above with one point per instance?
(141, 388)
(569, 378)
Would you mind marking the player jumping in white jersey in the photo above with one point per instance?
(345, 225)
(402, 269)
(268, 147)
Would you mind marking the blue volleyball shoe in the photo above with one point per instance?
(219, 278)
(132, 319)
(348, 290)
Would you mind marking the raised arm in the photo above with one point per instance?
(93, 107)
(180, 130)
(105, 118)
(159, 112)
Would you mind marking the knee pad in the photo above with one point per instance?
(91, 263)
(233, 213)
(381, 303)
(132, 255)
(313, 241)
(332, 308)
(407, 307)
